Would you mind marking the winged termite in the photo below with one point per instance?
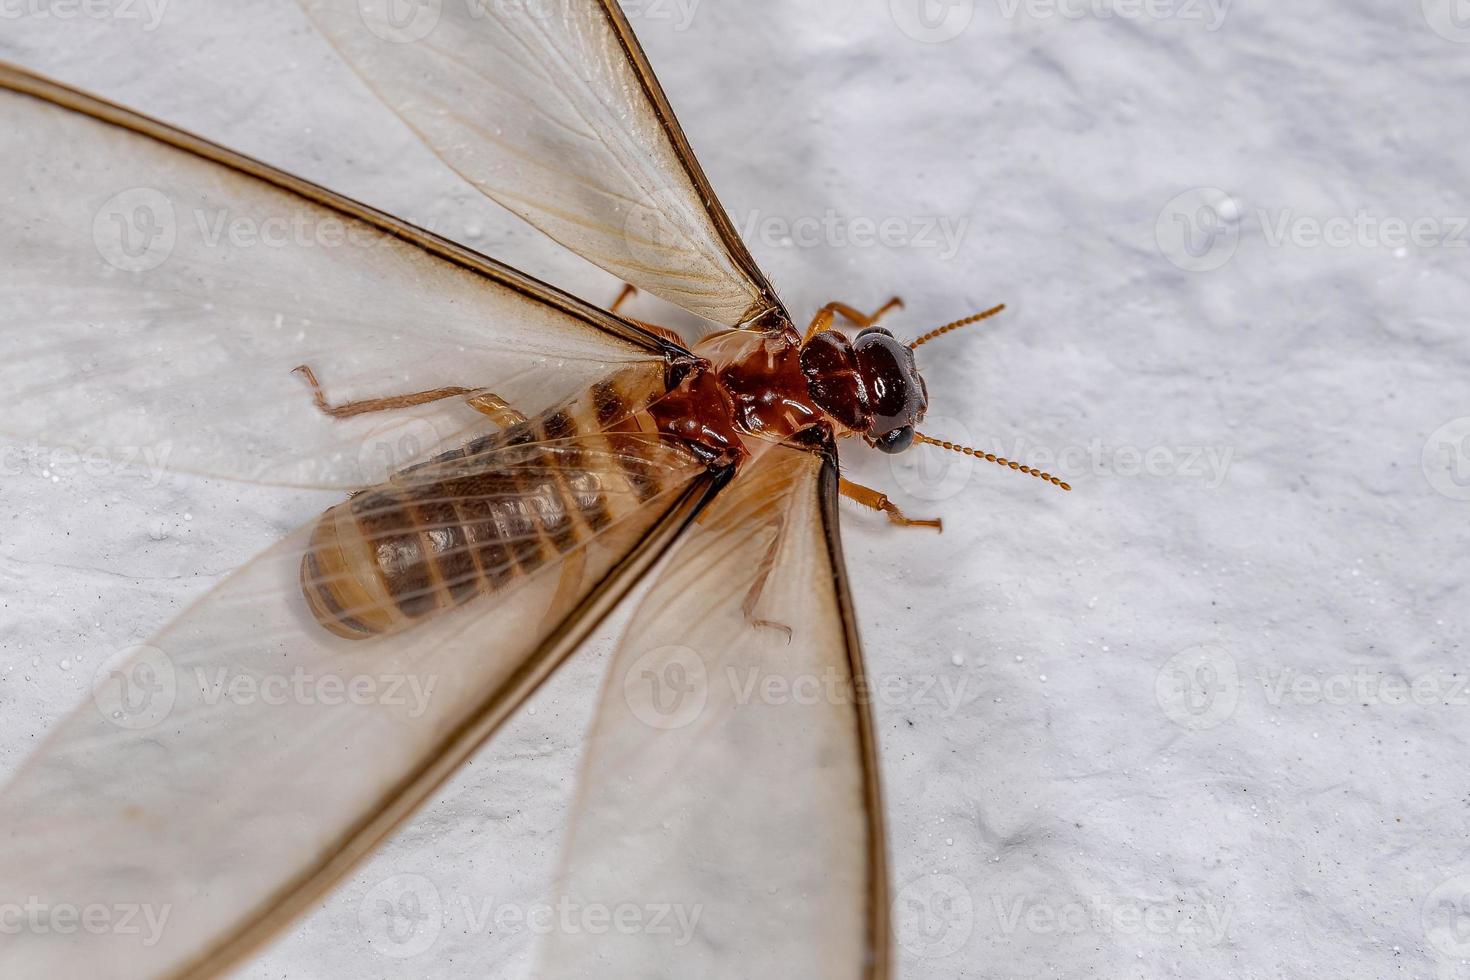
(572, 449)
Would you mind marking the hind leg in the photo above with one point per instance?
(484, 402)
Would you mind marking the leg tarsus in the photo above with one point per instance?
(823, 319)
(758, 587)
(878, 500)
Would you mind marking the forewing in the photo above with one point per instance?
(159, 291)
(550, 108)
(229, 771)
(728, 820)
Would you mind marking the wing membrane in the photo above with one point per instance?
(246, 758)
(552, 110)
(730, 781)
(156, 302)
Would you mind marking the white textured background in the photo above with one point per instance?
(1154, 728)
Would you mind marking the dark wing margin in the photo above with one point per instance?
(552, 110)
(190, 790)
(160, 290)
(654, 92)
(730, 782)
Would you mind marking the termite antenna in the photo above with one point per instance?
(956, 325)
(1000, 460)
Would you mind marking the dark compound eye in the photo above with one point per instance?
(896, 441)
(867, 330)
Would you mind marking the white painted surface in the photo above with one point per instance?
(1154, 728)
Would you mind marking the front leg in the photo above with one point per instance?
(877, 500)
(823, 320)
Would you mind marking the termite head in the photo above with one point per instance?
(869, 385)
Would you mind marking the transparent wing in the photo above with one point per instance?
(728, 819)
(231, 770)
(155, 302)
(551, 109)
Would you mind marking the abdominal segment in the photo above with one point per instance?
(479, 518)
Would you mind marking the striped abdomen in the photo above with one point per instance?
(475, 519)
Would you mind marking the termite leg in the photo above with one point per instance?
(758, 587)
(877, 500)
(823, 320)
(481, 401)
(629, 291)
